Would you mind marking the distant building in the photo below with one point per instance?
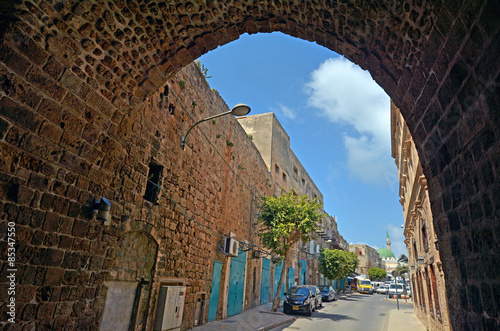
(426, 273)
(367, 256)
(388, 260)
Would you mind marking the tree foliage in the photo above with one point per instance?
(403, 258)
(284, 221)
(337, 264)
(376, 273)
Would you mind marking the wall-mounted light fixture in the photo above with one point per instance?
(238, 110)
(101, 208)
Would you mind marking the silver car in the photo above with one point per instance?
(396, 289)
(383, 289)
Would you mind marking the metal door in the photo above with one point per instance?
(236, 291)
(277, 275)
(291, 273)
(303, 271)
(264, 284)
(214, 291)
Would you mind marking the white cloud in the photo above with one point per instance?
(349, 97)
(284, 111)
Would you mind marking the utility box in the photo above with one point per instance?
(170, 308)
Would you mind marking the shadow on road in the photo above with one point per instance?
(333, 317)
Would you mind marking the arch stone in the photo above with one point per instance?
(438, 61)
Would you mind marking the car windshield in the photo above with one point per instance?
(323, 288)
(298, 291)
(365, 282)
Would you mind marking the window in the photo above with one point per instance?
(276, 168)
(434, 290)
(152, 189)
(284, 177)
(424, 237)
(429, 295)
(421, 291)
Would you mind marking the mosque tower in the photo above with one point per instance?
(388, 241)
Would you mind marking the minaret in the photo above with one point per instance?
(388, 242)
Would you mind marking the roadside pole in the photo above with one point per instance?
(397, 297)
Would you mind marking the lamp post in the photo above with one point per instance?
(238, 110)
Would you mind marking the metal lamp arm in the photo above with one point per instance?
(184, 138)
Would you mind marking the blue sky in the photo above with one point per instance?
(338, 121)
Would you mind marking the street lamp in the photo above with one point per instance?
(238, 110)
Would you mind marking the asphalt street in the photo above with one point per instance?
(357, 312)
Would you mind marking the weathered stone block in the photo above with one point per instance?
(19, 114)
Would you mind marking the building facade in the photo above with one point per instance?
(287, 173)
(426, 273)
(367, 256)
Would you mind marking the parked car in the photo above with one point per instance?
(365, 286)
(299, 299)
(408, 290)
(317, 295)
(383, 289)
(327, 293)
(393, 288)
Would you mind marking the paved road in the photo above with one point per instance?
(358, 312)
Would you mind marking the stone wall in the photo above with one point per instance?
(76, 77)
(59, 155)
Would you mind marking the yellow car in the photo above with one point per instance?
(365, 286)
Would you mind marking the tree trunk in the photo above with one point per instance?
(276, 300)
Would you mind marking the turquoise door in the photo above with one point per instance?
(277, 275)
(264, 284)
(303, 271)
(291, 273)
(214, 291)
(236, 291)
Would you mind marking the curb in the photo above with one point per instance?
(275, 325)
(386, 322)
(400, 302)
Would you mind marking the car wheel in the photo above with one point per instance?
(309, 312)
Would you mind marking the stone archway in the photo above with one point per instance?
(437, 61)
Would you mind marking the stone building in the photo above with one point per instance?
(426, 272)
(367, 256)
(287, 172)
(82, 88)
(171, 210)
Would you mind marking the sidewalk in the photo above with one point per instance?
(396, 320)
(261, 318)
(258, 318)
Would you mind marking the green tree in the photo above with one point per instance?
(336, 263)
(376, 273)
(402, 267)
(285, 220)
